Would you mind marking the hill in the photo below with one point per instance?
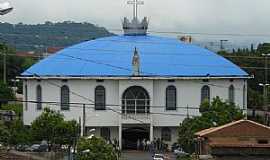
(38, 37)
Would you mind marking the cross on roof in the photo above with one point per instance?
(135, 4)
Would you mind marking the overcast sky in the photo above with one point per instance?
(215, 16)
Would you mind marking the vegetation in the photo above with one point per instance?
(52, 127)
(15, 66)
(215, 114)
(252, 61)
(6, 93)
(95, 149)
(25, 37)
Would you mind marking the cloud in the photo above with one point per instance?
(220, 16)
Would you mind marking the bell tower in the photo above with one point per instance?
(135, 27)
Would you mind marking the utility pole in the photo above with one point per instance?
(265, 85)
(4, 67)
(83, 125)
(222, 43)
(187, 112)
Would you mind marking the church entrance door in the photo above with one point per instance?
(131, 135)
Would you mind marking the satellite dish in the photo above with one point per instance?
(5, 8)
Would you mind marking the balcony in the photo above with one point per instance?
(135, 111)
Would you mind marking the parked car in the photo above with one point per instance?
(22, 147)
(159, 157)
(179, 152)
(39, 148)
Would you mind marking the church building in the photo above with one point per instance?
(131, 86)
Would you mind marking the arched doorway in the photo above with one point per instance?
(135, 100)
(132, 135)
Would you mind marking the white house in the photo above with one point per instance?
(131, 86)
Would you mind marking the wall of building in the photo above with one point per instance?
(188, 94)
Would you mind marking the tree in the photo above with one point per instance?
(45, 126)
(52, 127)
(6, 93)
(95, 149)
(4, 134)
(215, 114)
(67, 132)
(19, 134)
(17, 108)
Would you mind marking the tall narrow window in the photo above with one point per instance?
(26, 97)
(39, 97)
(166, 134)
(231, 94)
(100, 98)
(105, 133)
(205, 94)
(64, 98)
(171, 98)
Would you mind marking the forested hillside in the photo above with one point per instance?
(25, 37)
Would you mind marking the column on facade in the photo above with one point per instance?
(120, 132)
(151, 129)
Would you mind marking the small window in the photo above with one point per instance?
(166, 134)
(105, 133)
(39, 97)
(205, 94)
(26, 97)
(262, 141)
(64, 98)
(171, 98)
(100, 98)
(231, 94)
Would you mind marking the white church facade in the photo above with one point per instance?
(132, 86)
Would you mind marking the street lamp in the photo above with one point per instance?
(5, 8)
(265, 95)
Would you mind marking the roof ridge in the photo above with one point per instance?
(209, 130)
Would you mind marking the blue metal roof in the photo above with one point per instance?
(112, 56)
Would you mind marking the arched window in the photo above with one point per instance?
(64, 98)
(205, 94)
(105, 133)
(26, 97)
(39, 97)
(231, 94)
(135, 100)
(171, 98)
(100, 98)
(166, 134)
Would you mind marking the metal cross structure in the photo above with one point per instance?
(135, 4)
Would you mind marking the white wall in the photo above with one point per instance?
(188, 94)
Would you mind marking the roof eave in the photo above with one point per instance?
(136, 77)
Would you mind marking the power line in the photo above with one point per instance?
(90, 106)
(203, 33)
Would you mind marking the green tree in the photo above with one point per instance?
(67, 133)
(45, 126)
(4, 134)
(6, 93)
(17, 108)
(214, 114)
(52, 127)
(19, 134)
(95, 149)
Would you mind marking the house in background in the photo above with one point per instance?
(241, 139)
